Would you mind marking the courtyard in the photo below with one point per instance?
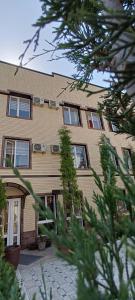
(60, 278)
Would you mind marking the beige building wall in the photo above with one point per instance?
(43, 128)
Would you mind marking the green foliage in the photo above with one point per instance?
(71, 194)
(2, 196)
(9, 288)
(103, 253)
(2, 206)
(92, 36)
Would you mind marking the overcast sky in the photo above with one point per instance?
(16, 18)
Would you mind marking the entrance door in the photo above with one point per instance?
(12, 222)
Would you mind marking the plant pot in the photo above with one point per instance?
(41, 242)
(12, 255)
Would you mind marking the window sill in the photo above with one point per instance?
(73, 125)
(101, 129)
(19, 168)
(19, 117)
(82, 169)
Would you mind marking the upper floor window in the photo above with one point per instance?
(19, 107)
(71, 116)
(127, 158)
(16, 152)
(80, 156)
(94, 120)
(113, 127)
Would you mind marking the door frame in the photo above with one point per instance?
(9, 236)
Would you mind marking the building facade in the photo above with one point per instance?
(33, 107)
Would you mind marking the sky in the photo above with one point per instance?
(16, 19)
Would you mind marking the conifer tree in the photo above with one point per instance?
(2, 206)
(71, 193)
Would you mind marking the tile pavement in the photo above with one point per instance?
(59, 277)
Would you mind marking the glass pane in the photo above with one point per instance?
(24, 108)
(96, 121)
(13, 106)
(66, 116)
(73, 155)
(81, 160)
(127, 158)
(90, 124)
(50, 203)
(22, 154)
(81, 157)
(74, 116)
(9, 153)
(15, 226)
(41, 216)
(114, 127)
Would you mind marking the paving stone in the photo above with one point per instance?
(59, 276)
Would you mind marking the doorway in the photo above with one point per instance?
(11, 218)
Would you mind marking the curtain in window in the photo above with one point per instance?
(13, 107)
(79, 156)
(66, 116)
(24, 108)
(22, 154)
(9, 153)
(74, 116)
(96, 120)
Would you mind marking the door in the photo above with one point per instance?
(12, 222)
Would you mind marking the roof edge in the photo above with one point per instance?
(51, 75)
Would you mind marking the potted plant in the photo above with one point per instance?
(12, 255)
(41, 242)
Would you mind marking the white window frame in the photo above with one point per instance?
(48, 221)
(75, 156)
(69, 113)
(13, 142)
(18, 106)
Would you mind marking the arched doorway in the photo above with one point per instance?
(13, 213)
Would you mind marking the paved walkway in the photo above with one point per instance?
(59, 276)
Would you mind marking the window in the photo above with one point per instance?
(17, 153)
(127, 158)
(71, 116)
(94, 120)
(48, 201)
(113, 127)
(19, 107)
(114, 158)
(80, 156)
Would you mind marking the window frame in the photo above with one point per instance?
(110, 123)
(90, 111)
(130, 153)
(14, 139)
(47, 221)
(18, 96)
(114, 158)
(86, 154)
(70, 106)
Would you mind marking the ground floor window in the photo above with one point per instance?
(48, 201)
